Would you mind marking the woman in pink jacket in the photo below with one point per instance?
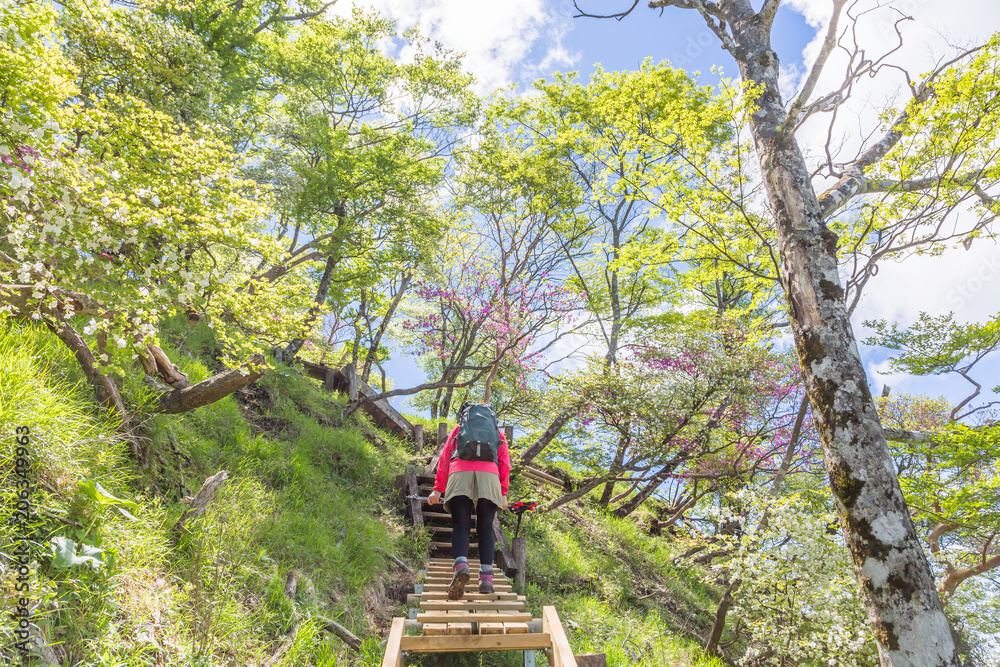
(465, 484)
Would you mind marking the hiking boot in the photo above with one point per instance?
(486, 585)
(457, 588)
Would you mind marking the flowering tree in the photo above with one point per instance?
(692, 408)
(114, 213)
(482, 313)
(495, 299)
(797, 602)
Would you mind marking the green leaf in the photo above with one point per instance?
(64, 554)
(93, 490)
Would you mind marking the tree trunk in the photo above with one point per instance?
(585, 488)
(545, 438)
(712, 645)
(372, 353)
(651, 486)
(321, 294)
(615, 470)
(104, 385)
(909, 623)
(211, 390)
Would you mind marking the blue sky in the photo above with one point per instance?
(518, 41)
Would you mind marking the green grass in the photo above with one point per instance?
(307, 493)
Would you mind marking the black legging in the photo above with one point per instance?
(461, 521)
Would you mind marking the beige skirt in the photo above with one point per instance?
(473, 484)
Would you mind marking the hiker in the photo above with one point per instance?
(474, 470)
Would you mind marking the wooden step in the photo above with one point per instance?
(462, 643)
(450, 562)
(437, 588)
(448, 529)
(468, 616)
(447, 545)
(413, 599)
(440, 515)
(473, 582)
(472, 605)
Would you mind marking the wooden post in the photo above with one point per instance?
(508, 433)
(393, 656)
(352, 382)
(521, 560)
(414, 490)
(330, 380)
(418, 438)
(506, 560)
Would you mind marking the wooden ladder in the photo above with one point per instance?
(497, 621)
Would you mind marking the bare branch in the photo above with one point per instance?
(853, 178)
(618, 16)
(304, 16)
(810, 85)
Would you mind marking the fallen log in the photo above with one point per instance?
(346, 635)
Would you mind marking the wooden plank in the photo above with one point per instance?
(447, 545)
(413, 599)
(393, 656)
(437, 588)
(562, 654)
(442, 516)
(491, 628)
(449, 562)
(460, 628)
(382, 413)
(473, 580)
(544, 475)
(465, 616)
(515, 628)
(472, 605)
(352, 382)
(541, 476)
(441, 441)
(432, 629)
(448, 529)
(465, 643)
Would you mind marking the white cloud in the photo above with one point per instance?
(924, 283)
(959, 280)
(504, 42)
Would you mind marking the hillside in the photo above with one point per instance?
(309, 499)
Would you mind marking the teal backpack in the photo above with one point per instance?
(478, 434)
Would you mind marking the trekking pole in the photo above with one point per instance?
(519, 508)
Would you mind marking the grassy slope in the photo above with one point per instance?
(305, 494)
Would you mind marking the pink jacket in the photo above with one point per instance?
(446, 466)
